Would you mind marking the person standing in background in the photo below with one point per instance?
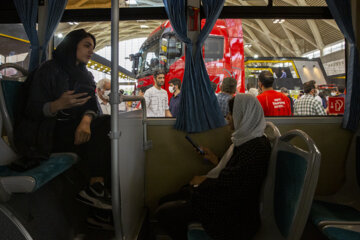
(156, 98)
(285, 91)
(174, 88)
(103, 88)
(228, 89)
(272, 102)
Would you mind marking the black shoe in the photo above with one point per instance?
(99, 190)
(93, 197)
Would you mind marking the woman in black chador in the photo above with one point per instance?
(62, 114)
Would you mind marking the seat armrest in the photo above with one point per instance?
(18, 184)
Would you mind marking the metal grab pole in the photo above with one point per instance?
(123, 98)
(115, 133)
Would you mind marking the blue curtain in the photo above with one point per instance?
(341, 11)
(199, 109)
(27, 11)
(55, 11)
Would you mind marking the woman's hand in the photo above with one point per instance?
(83, 132)
(210, 156)
(68, 100)
(197, 180)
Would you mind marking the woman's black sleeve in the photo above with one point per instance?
(41, 91)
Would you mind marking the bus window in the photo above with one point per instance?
(214, 48)
(148, 56)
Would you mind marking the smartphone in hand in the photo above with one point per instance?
(195, 145)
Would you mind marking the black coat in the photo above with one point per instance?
(228, 206)
(34, 132)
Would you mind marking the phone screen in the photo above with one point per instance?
(195, 145)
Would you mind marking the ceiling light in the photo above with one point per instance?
(59, 35)
(281, 21)
(144, 26)
(256, 56)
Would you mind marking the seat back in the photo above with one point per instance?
(271, 132)
(10, 91)
(349, 192)
(289, 187)
(10, 94)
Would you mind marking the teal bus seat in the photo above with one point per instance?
(342, 232)
(32, 179)
(324, 213)
(36, 177)
(289, 182)
(11, 95)
(289, 188)
(197, 232)
(343, 207)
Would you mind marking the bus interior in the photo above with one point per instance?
(154, 159)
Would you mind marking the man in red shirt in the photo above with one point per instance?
(273, 103)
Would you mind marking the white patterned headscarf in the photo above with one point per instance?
(248, 117)
(249, 123)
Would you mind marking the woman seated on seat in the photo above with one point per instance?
(61, 112)
(226, 200)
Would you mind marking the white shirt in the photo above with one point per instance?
(105, 107)
(156, 102)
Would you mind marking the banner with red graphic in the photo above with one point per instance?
(336, 105)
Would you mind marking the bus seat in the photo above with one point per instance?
(11, 227)
(324, 213)
(343, 207)
(32, 179)
(271, 132)
(197, 232)
(341, 232)
(289, 188)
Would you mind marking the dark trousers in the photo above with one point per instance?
(176, 212)
(95, 155)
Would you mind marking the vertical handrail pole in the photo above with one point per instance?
(115, 133)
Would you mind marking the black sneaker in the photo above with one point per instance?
(89, 197)
(99, 190)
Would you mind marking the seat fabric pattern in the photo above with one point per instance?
(290, 174)
(324, 211)
(340, 234)
(46, 171)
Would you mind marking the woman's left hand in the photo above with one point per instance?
(83, 132)
(197, 180)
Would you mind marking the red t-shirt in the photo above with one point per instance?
(275, 103)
